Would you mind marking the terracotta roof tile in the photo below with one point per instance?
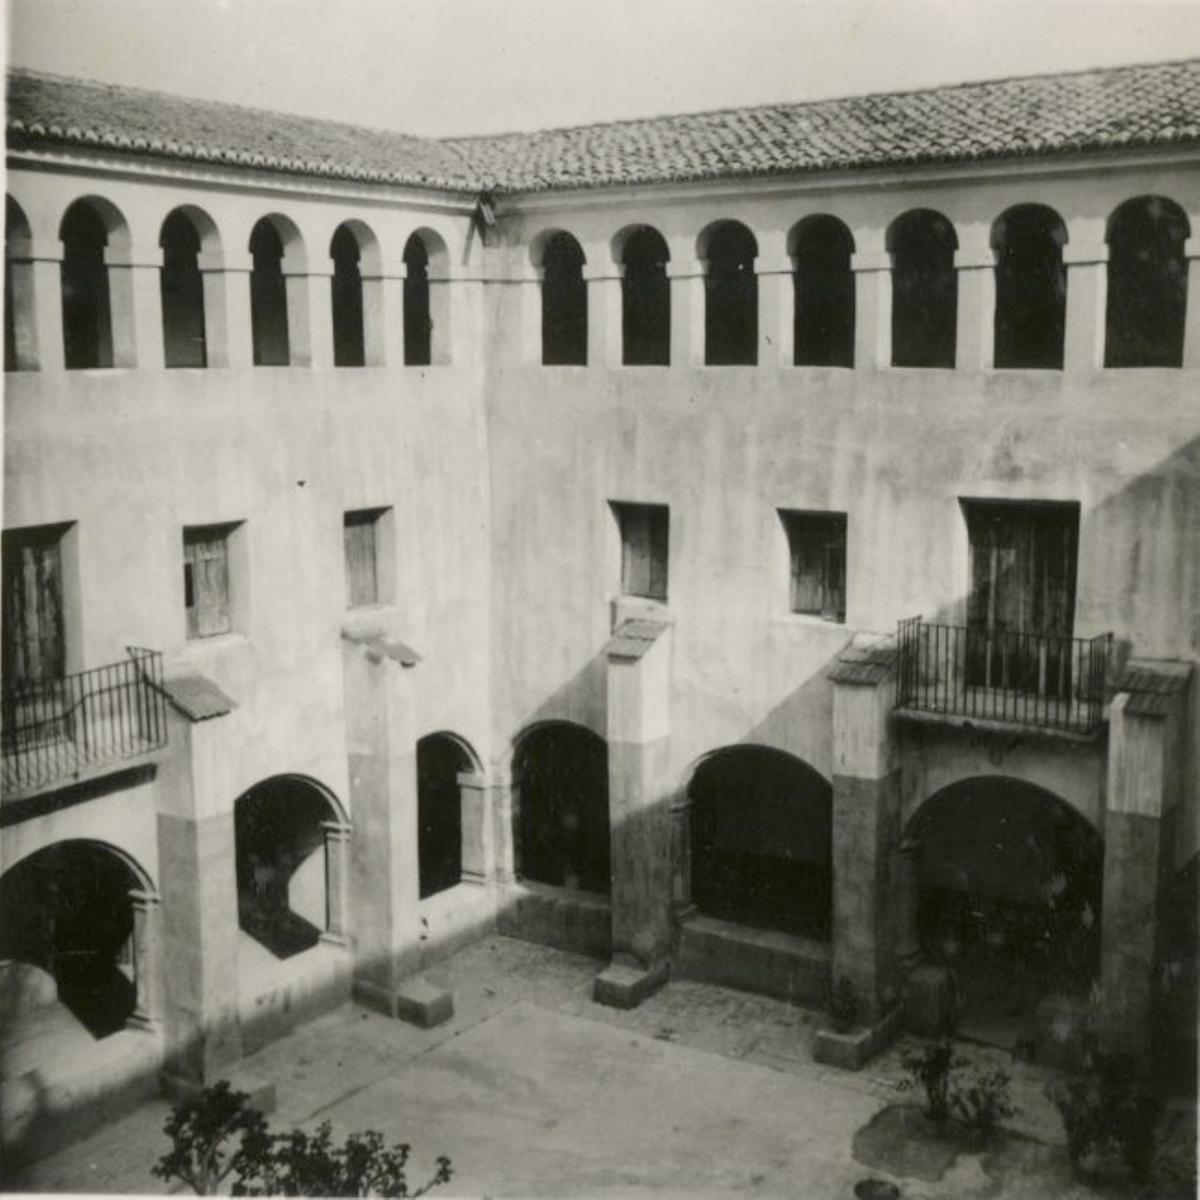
(868, 659)
(1154, 685)
(634, 637)
(197, 698)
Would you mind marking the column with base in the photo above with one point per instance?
(776, 309)
(337, 873)
(1191, 329)
(639, 742)
(135, 291)
(478, 829)
(227, 321)
(147, 961)
(687, 312)
(381, 731)
(976, 324)
(872, 308)
(604, 314)
(35, 272)
(1087, 299)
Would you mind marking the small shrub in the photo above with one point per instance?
(929, 1069)
(843, 1006)
(981, 1104)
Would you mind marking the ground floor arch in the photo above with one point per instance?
(441, 759)
(74, 931)
(560, 803)
(290, 836)
(1008, 880)
(760, 834)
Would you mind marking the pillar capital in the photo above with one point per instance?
(1191, 248)
(1076, 254)
(774, 264)
(968, 258)
(136, 255)
(871, 260)
(598, 272)
(224, 260)
(34, 249)
(695, 268)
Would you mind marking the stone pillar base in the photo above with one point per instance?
(626, 984)
(852, 1049)
(415, 1000)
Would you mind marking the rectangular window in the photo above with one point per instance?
(360, 531)
(817, 545)
(644, 544)
(34, 637)
(206, 588)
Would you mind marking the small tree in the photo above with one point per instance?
(929, 1069)
(217, 1134)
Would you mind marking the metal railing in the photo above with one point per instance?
(55, 729)
(1039, 679)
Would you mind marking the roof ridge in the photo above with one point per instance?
(842, 98)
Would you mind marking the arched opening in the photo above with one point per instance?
(18, 315)
(564, 303)
(441, 758)
(418, 316)
(924, 290)
(761, 841)
(645, 300)
(268, 297)
(1009, 881)
(184, 343)
(282, 878)
(1031, 288)
(349, 346)
(66, 928)
(560, 794)
(824, 323)
(730, 296)
(87, 309)
(1147, 284)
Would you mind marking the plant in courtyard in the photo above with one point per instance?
(843, 1005)
(929, 1069)
(980, 1104)
(216, 1134)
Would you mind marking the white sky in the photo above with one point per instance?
(462, 66)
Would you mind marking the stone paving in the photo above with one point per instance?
(534, 1090)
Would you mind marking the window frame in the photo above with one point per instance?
(817, 542)
(215, 618)
(644, 531)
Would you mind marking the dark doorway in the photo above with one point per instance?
(87, 315)
(268, 298)
(560, 781)
(182, 290)
(824, 324)
(646, 300)
(347, 300)
(564, 303)
(440, 759)
(418, 316)
(731, 297)
(924, 290)
(761, 829)
(1031, 288)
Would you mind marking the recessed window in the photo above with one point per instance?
(360, 531)
(34, 622)
(206, 590)
(644, 543)
(817, 546)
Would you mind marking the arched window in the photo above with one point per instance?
(347, 300)
(19, 342)
(924, 290)
(440, 760)
(560, 781)
(184, 342)
(824, 327)
(418, 319)
(87, 312)
(1031, 287)
(268, 297)
(730, 296)
(564, 303)
(645, 300)
(1147, 284)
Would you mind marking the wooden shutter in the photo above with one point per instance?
(206, 581)
(34, 643)
(645, 531)
(361, 579)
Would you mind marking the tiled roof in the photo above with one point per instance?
(634, 637)
(197, 698)
(54, 110)
(1154, 685)
(1117, 108)
(868, 659)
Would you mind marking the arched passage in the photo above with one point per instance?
(1147, 284)
(86, 300)
(1031, 287)
(560, 801)
(268, 292)
(287, 894)
(821, 247)
(19, 334)
(441, 758)
(182, 287)
(761, 840)
(346, 299)
(67, 919)
(426, 300)
(564, 302)
(645, 298)
(730, 295)
(924, 290)
(1009, 882)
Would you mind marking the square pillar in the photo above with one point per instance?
(872, 309)
(605, 328)
(135, 297)
(228, 333)
(337, 872)
(309, 316)
(687, 312)
(866, 836)
(1191, 329)
(1087, 297)
(147, 961)
(478, 830)
(976, 325)
(35, 267)
(503, 835)
(383, 316)
(639, 797)
(776, 310)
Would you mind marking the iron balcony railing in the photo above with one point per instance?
(56, 729)
(1035, 679)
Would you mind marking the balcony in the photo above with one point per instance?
(60, 729)
(1031, 679)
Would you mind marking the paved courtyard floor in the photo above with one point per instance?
(533, 1090)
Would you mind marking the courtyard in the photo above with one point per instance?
(533, 1090)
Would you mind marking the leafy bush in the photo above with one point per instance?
(843, 1005)
(981, 1104)
(216, 1134)
(930, 1070)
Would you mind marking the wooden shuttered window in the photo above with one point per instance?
(644, 549)
(360, 534)
(34, 641)
(817, 544)
(206, 579)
